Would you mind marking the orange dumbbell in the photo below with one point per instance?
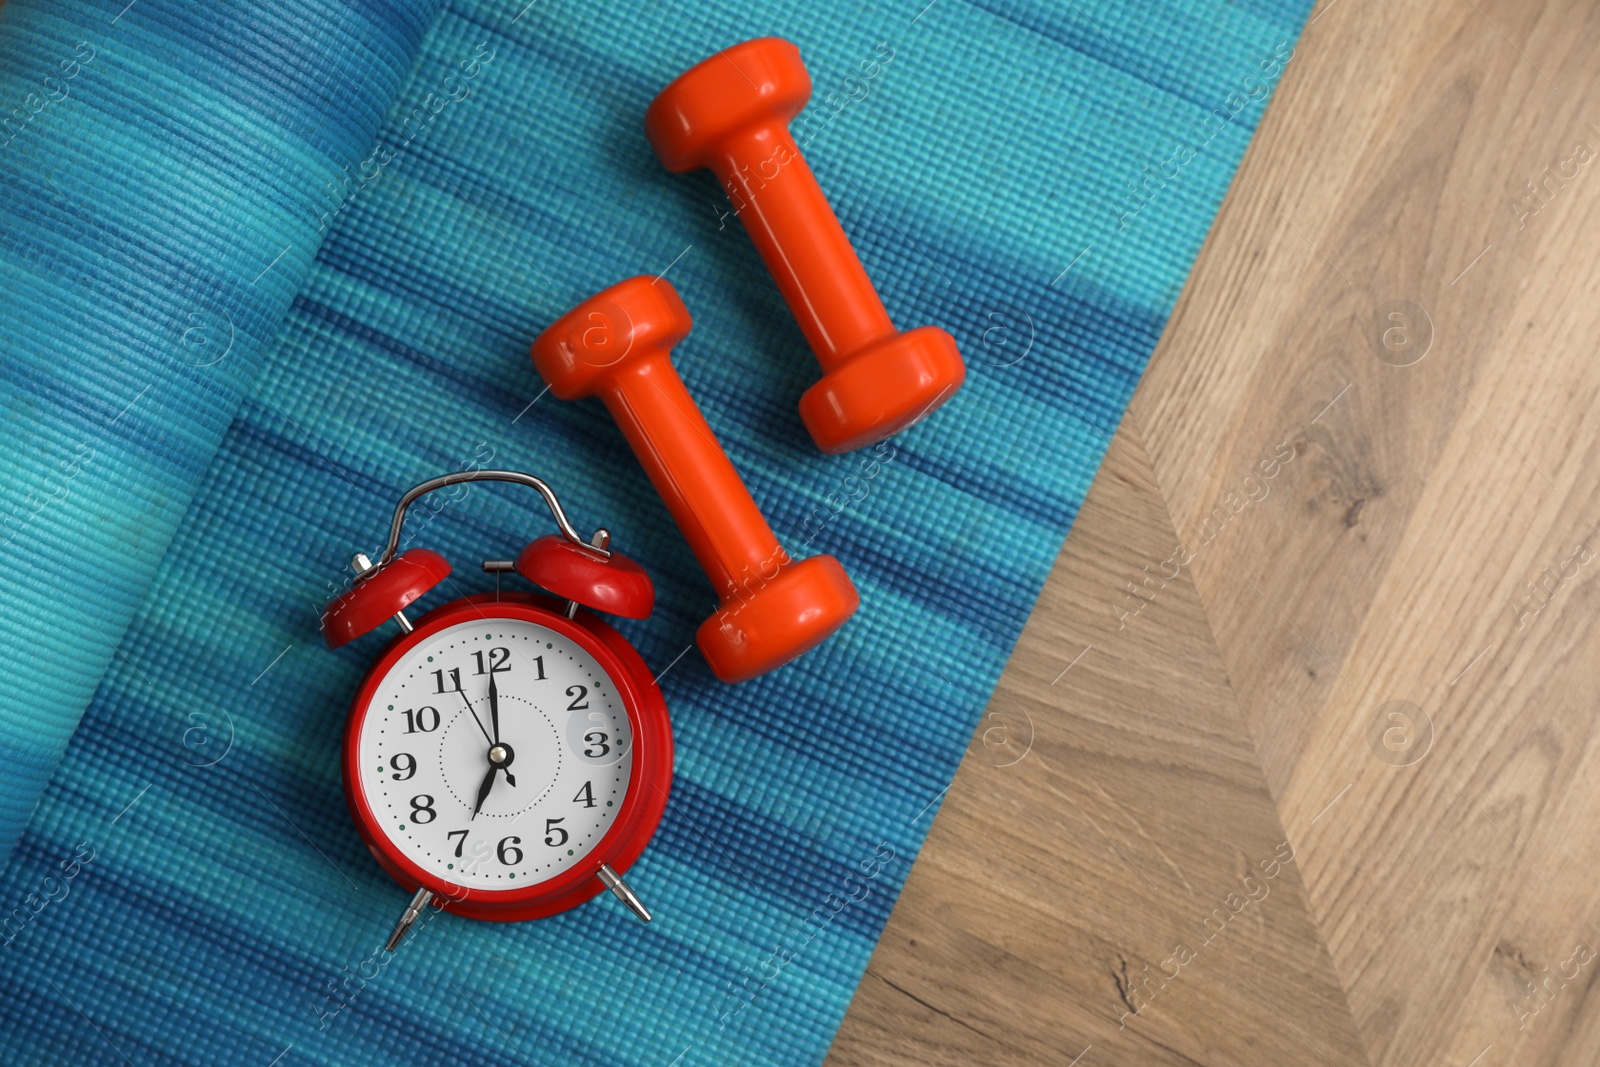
(617, 345)
(731, 113)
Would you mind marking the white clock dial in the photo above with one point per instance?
(564, 741)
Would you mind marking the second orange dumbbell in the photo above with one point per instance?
(617, 345)
(731, 113)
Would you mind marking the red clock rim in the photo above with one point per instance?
(615, 842)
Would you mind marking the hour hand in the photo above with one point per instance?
(483, 790)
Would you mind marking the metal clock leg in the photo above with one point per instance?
(413, 909)
(613, 881)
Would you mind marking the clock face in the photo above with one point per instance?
(556, 773)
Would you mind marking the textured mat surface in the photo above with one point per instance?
(150, 250)
(190, 889)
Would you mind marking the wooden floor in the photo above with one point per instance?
(1322, 785)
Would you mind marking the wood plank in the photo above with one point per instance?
(1110, 810)
(1389, 562)
(1428, 535)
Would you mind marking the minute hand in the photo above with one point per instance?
(494, 721)
(494, 708)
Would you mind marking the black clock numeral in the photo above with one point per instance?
(581, 701)
(404, 764)
(425, 720)
(585, 795)
(438, 680)
(551, 832)
(499, 661)
(420, 803)
(460, 843)
(598, 739)
(508, 849)
(538, 661)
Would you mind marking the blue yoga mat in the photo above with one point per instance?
(161, 174)
(189, 888)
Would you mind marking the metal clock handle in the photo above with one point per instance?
(516, 478)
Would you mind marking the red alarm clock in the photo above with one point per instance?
(509, 756)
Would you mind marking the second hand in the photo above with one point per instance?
(455, 673)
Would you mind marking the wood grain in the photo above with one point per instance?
(1384, 654)
(1110, 814)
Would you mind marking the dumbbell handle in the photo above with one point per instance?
(663, 425)
(617, 345)
(801, 242)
